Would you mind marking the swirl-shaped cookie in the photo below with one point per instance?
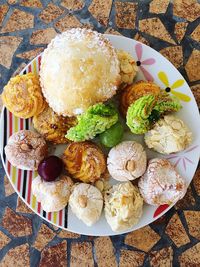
(84, 161)
(52, 126)
(23, 96)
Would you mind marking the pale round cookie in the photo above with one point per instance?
(25, 150)
(79, 68)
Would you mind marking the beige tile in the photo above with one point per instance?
(176, 231)
(100, 10)
(180, 29)
(81, 254)
(129, 258)
(125, 14)
(174, 54)
(8, 45)
(154, 27)
(195, 35)
(144, 238)
(187, 9)
(22, 207)
(105, 252)
(42, 36)
(50, 13)
(67, 234)
(3, 12)
(192, 66)
(44, 236)
(162, 258)
(187, 202)
(190, 257)
(31, 53)
(19, 20)
(17, 257)
(193, 222)
(17, 225)
(31, 3)
(138, 37)
(4, 240)
(9, 190)
(68, 22)
(73, 4)
(158, 6)
(196, 92)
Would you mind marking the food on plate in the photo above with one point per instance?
(84, 161)
(128, 67)
(161, 183)
(79, 68)
(134, 91)
(23, 96)
(95, 120)
(168, 135)
(112, 136)
(123, 206)
(86, 202)
(50, 168)
(102, 184)
(53, 196)
(53, 127)
(127, 161)
(146, 110)
(25, 149)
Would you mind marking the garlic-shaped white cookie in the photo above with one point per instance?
(127, 161)
(123, 206)
(86, 202)
(53, 196)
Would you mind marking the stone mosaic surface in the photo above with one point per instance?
(171, 27)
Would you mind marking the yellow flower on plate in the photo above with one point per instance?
(170, 88)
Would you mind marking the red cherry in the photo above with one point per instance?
(50, 168)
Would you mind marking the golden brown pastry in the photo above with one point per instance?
(84, 161)
(131, 93)
(23, 96)
(53, 127)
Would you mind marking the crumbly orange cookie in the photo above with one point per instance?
(52, 126)
(132, 92)
(84, 161)
(23, 96)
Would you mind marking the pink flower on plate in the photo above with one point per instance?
(140, 63)
(183, 158)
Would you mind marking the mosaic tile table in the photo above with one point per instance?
(173, 29)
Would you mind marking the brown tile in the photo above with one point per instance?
(31, 3)
(81, 254)
(187, 202)
(129, 258)
(73, 4)
(180, 29)
(18, 257)
(163, 257)
(19, 20)
(17, 225)
(100, 10)
(50, 13)
(67, 234)
(67, 22)
(195, 35)
(187, 9)
(54, 256)
(112, 31)
(158, 6)
(196, 92)
(193, 222)
(9, 190)
(173, 54)
(154, 27)
(22, 207)
(190, 257)
(4, 240)
(138, 37)
(105, 252)
(44, 236)
(19, 69)
(144, 238)
(12, 2)
(43, 36)
(31, 53)
(125, 14)
(192, 66)
(175, 230)
(3, 12)
(8, 45)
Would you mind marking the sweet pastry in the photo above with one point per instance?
(127, 161)
(134, 91)
(128, 67)
(23, 96)
(123, 206)
(161, 183)
(86, 202)
(95, 120)
(79, 68)
(53, 196)
(169, 135)
(52, 126)
(84, 161)
(25, 150)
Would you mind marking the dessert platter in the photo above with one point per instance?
(99, 133)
